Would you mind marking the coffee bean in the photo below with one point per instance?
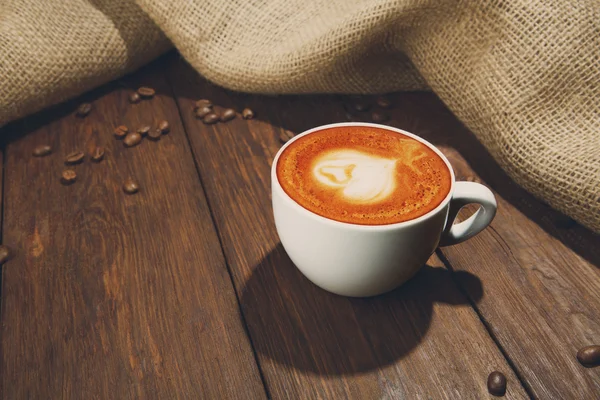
(42, 150)
(164, 127)
(146, 92)
(84, 109)
(134, 98)
(285, 136)
(361, 106)
(203, 103)
(379, 116)
(496, 383)
(203, 112)
(121, 131)
(589, 356)
(98, 154)
(210, 119)
(132, 139)
(383, 102)
(155, 134)
(143, 130)
(5, 254)
(247, 113)
(74, 158)
(130, 186)
(228, 115)
(68, 176)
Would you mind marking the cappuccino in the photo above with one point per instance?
(363, 175)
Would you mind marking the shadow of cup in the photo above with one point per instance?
(297, 324)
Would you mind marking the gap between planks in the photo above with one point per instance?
(219, 236)
(484, 322)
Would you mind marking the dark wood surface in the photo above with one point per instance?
(184, 291)
(110, 295)
(542, 299)
(541, 270)
(310, 343)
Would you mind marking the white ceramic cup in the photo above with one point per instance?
(366, 260)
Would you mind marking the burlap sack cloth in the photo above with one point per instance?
(523, 75)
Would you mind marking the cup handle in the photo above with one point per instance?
(467, 193)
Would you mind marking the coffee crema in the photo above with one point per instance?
(363, 175)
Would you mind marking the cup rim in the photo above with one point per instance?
(277, 186)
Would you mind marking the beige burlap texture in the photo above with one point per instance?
(523, 75)
(51, 50)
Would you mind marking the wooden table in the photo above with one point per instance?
(184, 291)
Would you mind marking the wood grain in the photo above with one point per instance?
(113, 295)
(421, 341)
(539, 269)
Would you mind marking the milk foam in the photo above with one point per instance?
(362, 177)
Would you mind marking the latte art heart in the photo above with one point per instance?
(361, 177)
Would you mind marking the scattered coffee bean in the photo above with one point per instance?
(383, 102)
(247, 113)
(5, 254)
(164, 127)
(143, 130)
(228, 115)
(496, 383)
(379, 116)
(361, 106)
(210, 119)
(132, 139)
(203, 103)
(134, 98)
(155, 134)
(74, 158)
(84, 109)
(42, 150)
(98, 154)
(203, 112)
(285, 135)
(121, 131)
(68, 176)
(589, 356)
(146, 92)
(130, 186)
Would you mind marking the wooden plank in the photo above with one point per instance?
(540, 270)
(421, 341)
(110, 295)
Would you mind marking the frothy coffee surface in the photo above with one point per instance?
(363, 175)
